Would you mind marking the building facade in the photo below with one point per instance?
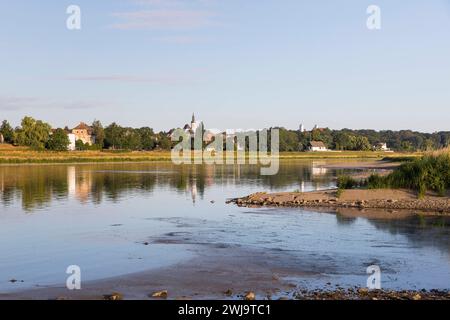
(82, 132)
(317, 146)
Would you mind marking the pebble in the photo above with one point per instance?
(160, 294)
(250, 296)
(113, 296)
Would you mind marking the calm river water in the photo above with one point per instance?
(99, 216)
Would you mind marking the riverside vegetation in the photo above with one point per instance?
(430, 173)
(420, 184)
(23, 155)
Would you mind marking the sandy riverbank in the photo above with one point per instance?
(216, 272)
(362, 165)
(220, 272)
(361, 199)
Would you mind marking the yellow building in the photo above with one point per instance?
(84, 133)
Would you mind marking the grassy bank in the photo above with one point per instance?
(430, 172)
(18, 155)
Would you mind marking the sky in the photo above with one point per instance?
(235, 63)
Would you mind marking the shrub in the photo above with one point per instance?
(429, 173)
(346, 182)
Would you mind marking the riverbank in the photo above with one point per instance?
(19, 155)
(365, 294)
(388, 199)
(212, 274)
(263, 275)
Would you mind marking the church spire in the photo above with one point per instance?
(193, 118)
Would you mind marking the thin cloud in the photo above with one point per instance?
(181, 39)
(163, 19)
(163, 80)
(15, 103)
(166, 15)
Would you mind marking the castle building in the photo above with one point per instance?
(81, 132)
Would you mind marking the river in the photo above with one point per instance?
(118, 219)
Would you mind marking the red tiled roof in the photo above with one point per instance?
(82, 126)
(317, 144)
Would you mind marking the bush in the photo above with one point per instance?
(346, 182)
(429, 173)
(81, 146)
(375, 181)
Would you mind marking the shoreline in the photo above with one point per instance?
(11, 156)
(212, 275)
(386, 199)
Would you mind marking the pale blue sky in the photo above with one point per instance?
(235, 63)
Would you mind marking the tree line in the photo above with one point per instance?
(39, 135)
(363, 140)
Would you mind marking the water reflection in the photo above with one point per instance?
(98, 216)
(36, 186)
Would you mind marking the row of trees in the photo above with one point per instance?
(39, 135)
(363, 140)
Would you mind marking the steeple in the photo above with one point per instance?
(194, 124)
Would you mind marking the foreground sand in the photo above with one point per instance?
(219, 272)
(216, 272)
(362, 199)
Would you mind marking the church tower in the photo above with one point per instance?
(194, 124)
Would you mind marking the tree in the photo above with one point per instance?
(99, 133)
(148, 138)
(288, 140)
(163, 141)
(81, 146)
(131, 140)
(323, 135)
(342, 141)
(7, 131)
(58, 141)
(32, 133)
(362, 144)
(113, 136)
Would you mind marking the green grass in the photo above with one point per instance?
(22, 155)
(347, 182)
(428, 173)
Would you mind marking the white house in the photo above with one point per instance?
(73, 139)
(381, 146)
(317, 146)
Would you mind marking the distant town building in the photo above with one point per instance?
(381, 146)
(84, 133)
(317, 146)
(72, 141)
(192, 128)
(81, 132)
(302, 128)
